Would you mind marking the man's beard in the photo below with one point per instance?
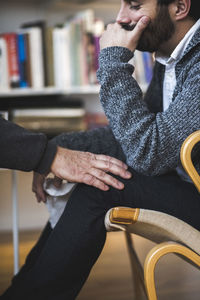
(157, 32)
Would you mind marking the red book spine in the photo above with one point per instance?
(13, 65)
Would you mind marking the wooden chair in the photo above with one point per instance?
(170, 234)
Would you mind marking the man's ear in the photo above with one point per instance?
(181, 9)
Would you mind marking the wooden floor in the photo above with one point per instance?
(111, 276)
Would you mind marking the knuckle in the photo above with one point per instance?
(90, 156)
(92, 180)
(115, 181)
(109, 165)
(89, 179)
(100, 173)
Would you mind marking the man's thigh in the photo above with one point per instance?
(166, 193)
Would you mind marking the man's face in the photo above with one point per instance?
(159, 30)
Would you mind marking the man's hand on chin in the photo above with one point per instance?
(115, 35)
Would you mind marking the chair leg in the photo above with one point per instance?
(136, 268)
(155, 254)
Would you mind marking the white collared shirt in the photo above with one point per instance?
(169, 82)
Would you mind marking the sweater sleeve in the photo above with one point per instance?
(99, 141)
(151, 141)
(24, 150)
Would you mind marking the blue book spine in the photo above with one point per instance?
(148, 66)
(22, 57)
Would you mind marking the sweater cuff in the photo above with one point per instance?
(44, 165)
(115, 54)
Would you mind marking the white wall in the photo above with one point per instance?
(32, 215)
(14, 13)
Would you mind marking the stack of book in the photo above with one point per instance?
(37, 55)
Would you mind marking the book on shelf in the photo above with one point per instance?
(85, 21)
(61, 57)
(28, 50)
(90, 58)
(4, 78)
(41, 24)
(12, 57)
(78, 47)
(148, 66)
(98, 30)
(36, 56)
(74, 44)
(49, 56)
(23, 60)
(143, 64)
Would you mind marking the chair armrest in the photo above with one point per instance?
(153, 225)
(124, 215)
(186, 158)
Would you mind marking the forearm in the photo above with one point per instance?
(151, 142)
(23, 150)
(98, 141)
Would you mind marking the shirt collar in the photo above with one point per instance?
(180, 48)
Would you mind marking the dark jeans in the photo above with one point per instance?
(60, 262)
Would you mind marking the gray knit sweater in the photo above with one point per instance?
(139, 132)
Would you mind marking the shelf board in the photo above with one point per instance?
(74, 90)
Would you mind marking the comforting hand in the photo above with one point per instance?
(115, 35)
(83, 167)
(88, 168)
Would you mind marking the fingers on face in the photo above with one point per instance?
(142, 23)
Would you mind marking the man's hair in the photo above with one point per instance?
(194, 10)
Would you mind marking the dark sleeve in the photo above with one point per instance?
(98, 141)
(24, 150)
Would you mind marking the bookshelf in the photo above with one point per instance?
(14, 14)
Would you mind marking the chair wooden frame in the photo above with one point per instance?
(126, 219)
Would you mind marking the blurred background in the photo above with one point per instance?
(51, 95)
